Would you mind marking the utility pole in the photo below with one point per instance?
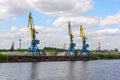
(99, 46)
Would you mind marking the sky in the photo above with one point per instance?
(99, 18)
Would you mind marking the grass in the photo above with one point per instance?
(106, 56)
(4, 57)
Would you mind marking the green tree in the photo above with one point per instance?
(116, 50)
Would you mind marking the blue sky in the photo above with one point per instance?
(100, 20)
(104, 8)
(22, 20)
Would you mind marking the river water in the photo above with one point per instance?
(66, 70)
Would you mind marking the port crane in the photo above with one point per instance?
(71, 49)
(84, 49)
(33, 47)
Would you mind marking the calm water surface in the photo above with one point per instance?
(77, 70)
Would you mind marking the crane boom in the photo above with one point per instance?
(82, 34)
(31, 26)
(70, 33)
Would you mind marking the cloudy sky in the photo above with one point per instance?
(100, 20)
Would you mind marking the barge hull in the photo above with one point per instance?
(17, 58)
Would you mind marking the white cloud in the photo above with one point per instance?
(108, 37)
(63, 8)
(54, 7)
(57, 7)
(13, 29)
(77, 21)
(109, 31)
(12, 8)
(89, 22)
(47, 36)
(111, 20)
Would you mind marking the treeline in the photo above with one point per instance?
(52, 49)
(45, 49)
(15, 50)
(114, 50)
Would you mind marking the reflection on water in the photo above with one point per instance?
(33, 72)
(69, 70)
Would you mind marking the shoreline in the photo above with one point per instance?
(25, 58)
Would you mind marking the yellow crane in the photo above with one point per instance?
(33, 48)
(71, 49)
(84, 45)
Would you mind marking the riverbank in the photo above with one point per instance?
(7, 58)
(105, 56)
